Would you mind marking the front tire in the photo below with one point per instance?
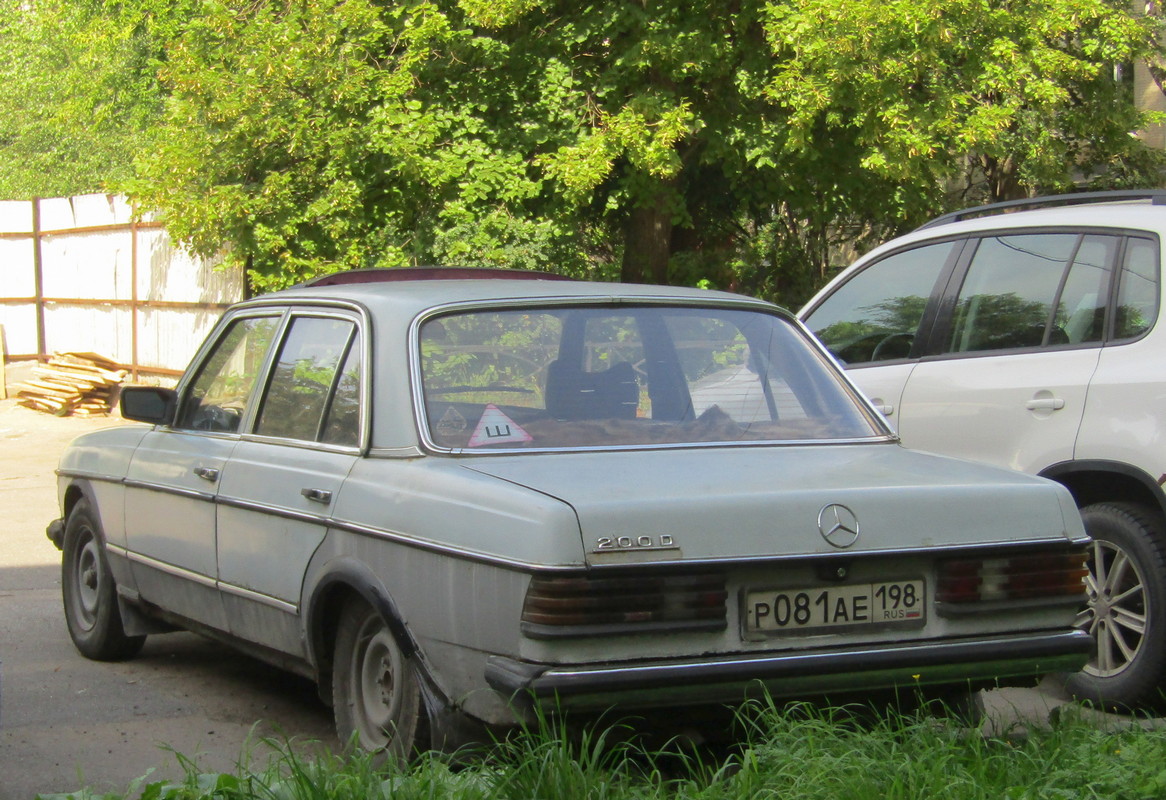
(1126, 608)
(375, 690)
(89, 592)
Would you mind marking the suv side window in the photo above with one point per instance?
(221, 391)
(304, 378)
(1033, 290)
(876, 314)
(1137, 291)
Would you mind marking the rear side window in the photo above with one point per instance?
(1033, 290)
(875, 316)
(313, 383)
(1137, 290)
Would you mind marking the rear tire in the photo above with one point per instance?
(1126, 610)
(376, 694)
(89, 592)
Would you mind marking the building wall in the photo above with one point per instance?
(1149, 98)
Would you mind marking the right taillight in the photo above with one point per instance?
(1032, 576)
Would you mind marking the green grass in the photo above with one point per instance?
(797, 753)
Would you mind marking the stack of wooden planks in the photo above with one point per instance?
(83, 384)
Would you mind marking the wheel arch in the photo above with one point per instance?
(1096, 481)
(344, 580)
(74, 493)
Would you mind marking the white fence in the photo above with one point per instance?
(79, 274)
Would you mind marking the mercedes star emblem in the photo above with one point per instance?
(838, 525)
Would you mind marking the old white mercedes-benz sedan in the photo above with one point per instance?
(454, 495)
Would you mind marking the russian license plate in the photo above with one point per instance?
(818, 607)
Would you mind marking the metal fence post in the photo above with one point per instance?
(39, 283)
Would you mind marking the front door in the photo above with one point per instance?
(172, 483)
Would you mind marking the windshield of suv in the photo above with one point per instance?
(623, 375)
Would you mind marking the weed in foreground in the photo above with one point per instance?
(796, 752)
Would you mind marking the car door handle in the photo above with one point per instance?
(207, 473)
(1045, 403)
(317, 495)
(883, 407)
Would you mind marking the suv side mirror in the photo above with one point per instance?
(149, 404)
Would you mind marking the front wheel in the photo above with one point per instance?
(1126, 609)
(375, 691)
(89, 593)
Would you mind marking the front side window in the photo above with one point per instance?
(306, 376)
(598, 376)
(875, 315)
(222, 390)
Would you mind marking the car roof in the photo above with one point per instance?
(410, 297)
(1119, 215)
(393, 306)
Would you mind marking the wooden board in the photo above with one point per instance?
(72, 383)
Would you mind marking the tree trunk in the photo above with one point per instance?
(1003, 176)
(648, 240)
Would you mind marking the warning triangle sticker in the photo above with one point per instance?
(496, 428)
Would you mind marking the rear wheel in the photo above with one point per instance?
(375, 690)
(1126, 608)
(89, 593)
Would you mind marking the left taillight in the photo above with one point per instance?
(583, 605)
(1031, 576)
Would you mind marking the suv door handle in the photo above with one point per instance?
(1045, 403)
(207, 473)
(317, 495)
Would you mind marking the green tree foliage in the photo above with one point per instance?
(328, 135)
(737, 143)
(79, 95)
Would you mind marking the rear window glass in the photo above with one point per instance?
(612, 376)
(1137, 298)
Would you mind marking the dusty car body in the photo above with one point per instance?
(469, 498)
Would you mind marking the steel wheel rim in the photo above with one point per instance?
(1117, 610)
(87, 580)
(380, 676)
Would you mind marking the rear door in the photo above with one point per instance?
(1014, 351)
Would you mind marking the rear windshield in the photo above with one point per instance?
(621, 375)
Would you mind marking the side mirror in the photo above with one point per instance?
(150, 404)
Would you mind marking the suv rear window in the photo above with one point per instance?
(612, 376)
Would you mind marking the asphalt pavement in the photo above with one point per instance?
(66, 722)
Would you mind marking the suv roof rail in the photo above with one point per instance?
(385, 275)
(1156, 197)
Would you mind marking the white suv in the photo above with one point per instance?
(1026, 334)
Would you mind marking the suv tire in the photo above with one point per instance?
(1127, 606)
